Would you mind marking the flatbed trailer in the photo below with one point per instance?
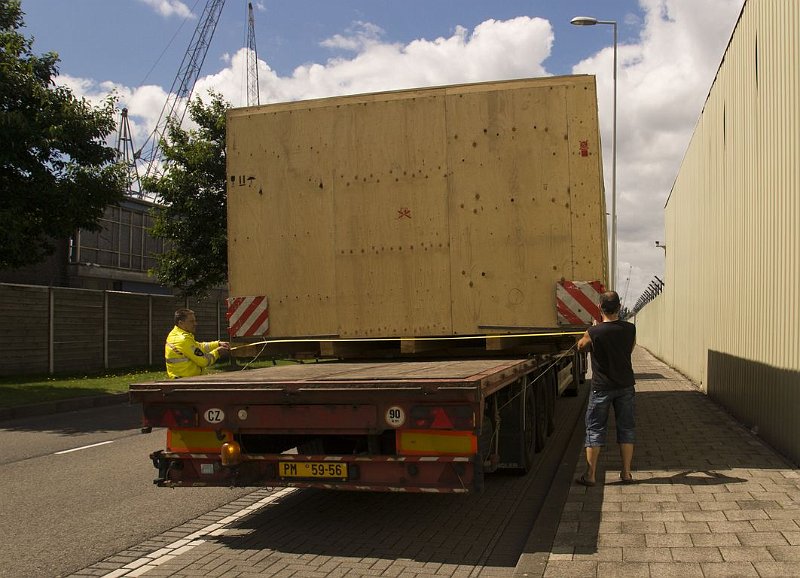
(401, 426)
(445, 245)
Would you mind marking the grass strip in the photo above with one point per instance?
(25, 390)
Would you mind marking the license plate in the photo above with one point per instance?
(312, 470)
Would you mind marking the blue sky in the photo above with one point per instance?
(122, 40)
(669, 52)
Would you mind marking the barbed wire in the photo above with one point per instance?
(652, 291)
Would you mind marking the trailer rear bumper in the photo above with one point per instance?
(432, 474)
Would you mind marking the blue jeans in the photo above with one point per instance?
(600, 403)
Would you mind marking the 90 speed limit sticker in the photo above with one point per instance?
(395, 416)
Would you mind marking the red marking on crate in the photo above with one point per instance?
(584, 147)
(577, 302)
(248, 316)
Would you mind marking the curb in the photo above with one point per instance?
(62, 405)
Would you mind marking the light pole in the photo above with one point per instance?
(589, 21)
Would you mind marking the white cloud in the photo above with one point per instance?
(167, 8)
(493, 50)
(361, 36)
(144, 104)
(663, 80)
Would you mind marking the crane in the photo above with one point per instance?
(181, 90)
(253, 98)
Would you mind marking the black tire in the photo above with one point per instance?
(583, 366)
(550, 389)
(572, 390)
(540, 425)
(528, 436)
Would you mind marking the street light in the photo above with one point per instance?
(589, 21)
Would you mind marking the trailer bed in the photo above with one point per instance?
(428, 426)
(477, 374)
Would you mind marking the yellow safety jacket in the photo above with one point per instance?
(186, 357)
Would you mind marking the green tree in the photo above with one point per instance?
(57, 173)
(192, 212)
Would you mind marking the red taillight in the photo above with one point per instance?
(442, 417)
(170, 416)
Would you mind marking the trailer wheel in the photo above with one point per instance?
(572, 390)
(540, 425)
(550, 390)
(529, 431)
(578, 375)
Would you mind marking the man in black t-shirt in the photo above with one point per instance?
(611, 344)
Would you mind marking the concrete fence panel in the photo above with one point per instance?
(78, 330)
(50, 330)
(25, 315)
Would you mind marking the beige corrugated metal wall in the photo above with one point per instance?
(729, 317)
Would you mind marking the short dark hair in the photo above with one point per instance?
(609, 302)
(182, 315)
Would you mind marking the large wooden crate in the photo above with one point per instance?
(432, 212)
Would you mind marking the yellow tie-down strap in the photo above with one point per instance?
(379, 339)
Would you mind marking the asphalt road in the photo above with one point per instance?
(76, 496)
(64, 511)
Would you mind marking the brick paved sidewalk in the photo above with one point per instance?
(710, 500)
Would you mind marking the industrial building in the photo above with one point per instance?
(117, 257)
(728, 316)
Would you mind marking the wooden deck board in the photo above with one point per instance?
(467, 371)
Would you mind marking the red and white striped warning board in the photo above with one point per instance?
(577, 302)
(248, 316)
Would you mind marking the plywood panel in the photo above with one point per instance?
(509, 204)
(391, 229)
(280, 217)
(416, 213)
(587, 208)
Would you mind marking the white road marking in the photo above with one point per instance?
(154, 559)
(84, 447)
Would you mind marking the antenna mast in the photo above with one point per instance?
(181, 90)
(126, 155)
(253, 98)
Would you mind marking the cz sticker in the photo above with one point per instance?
(214, 415)
(395, 416)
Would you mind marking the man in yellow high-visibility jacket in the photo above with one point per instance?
(186, 357)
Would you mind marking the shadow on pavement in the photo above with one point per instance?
(683, 439)
(692, 478)
(115, 417)
(487, 530)
(445, 529)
